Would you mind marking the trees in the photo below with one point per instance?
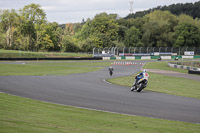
(69, 45)
(8, 20)
(187, 35)
(103, 28)
(191, 9)
(158, 28)
(55, 34)
(132, 38)
(29, 30)
(32, 16)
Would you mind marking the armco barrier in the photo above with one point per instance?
(196, 57)
(104, 58)
(149, 57)
(179, 57)
(191, 70)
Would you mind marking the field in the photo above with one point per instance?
(22, 115)
(50, 68)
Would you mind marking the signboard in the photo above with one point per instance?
(136, 54)
(187, 57)
(189, 53)
(166, 57)
(145, 57)
(174, 53)
(156, 53)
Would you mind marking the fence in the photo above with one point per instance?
(117, 51)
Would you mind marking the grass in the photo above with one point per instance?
(27, 54)
(165, 84)
(51, 68)
(189, 63)
(43, 69)
(76, 63)
(162, 66)
(21, 115)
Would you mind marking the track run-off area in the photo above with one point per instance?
(90, 90)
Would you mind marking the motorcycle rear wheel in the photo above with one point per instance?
(140, 87)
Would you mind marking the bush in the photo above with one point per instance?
(69, 45)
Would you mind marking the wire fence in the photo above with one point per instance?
(120, 51)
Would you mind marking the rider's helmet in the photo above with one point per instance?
(144, 70)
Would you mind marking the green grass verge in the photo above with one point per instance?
(165, 84)
(75, 63)
(34, 69)
(162, 66)
(27, 54)
(51, 68)
(20, 115)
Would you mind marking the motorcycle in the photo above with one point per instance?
(159, 59)
(176, 59)
(140, 83)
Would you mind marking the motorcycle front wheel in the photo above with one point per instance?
(132, 88)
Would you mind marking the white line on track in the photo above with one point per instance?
(107, 82)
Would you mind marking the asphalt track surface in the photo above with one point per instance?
(89, 90)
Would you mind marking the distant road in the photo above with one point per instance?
(90, 91)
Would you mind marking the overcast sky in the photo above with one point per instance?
(65, 11)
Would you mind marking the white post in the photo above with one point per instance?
(129, 50)
(93, 51)
(159, 49)
(140, 49)
(123, 50)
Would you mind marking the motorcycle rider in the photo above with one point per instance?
(111, 70)
(141, 75)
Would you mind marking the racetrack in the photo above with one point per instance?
(90, 91)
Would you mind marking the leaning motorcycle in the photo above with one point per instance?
(140, 84)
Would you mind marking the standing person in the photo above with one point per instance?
(111, 70)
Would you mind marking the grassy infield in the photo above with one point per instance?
(50, 68)
(25, 54)
(29, 116)
(165, 84)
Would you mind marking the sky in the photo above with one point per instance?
(71, 11)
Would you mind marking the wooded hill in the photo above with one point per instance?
(29, 29)
(176, 9)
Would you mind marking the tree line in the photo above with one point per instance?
(28, 29)
(191, 9)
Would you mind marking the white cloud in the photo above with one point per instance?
(49, 8)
